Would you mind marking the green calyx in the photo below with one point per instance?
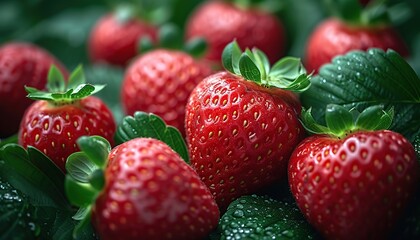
(268, 6)
(59, 92)
(340, 122)
(170, 37)
(253, 65)
(85, 177)
(153, 12)
(375, 13)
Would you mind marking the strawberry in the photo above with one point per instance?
(142, 189)
(353, 179)
(170, 203)
(164, 80)
(241, 127)
(21, 64)
(114, 39)
(352, 30)
(54, 122)
(220, 22)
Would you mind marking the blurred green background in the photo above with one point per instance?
(62, 27)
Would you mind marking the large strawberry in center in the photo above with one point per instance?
(241, 127)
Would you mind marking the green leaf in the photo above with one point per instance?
(82, 213)
(362, 79)
(261, 60)
(374, 117)
(84, 229)
(289, 74)
(36, 192)
(339, 119)
(17, 219)
(65, 226)
(55, 81)
(79, 194)
(261, 217)
(82, 91)
(300, 84)
(57, 96)
(96, 148)
(46, 165)
(249, 69)
(60, 93)
(80, 167)
(288, 68)
(39, 95)
(26, 173)
(230, 57)
(97, 179)
(77, 77)
(310, 124)
(150, 125)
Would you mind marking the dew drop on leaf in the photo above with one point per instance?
(287, 233)
(238, 213)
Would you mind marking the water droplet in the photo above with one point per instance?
(234, 225)
(287, 233)
(242, 201)
(238, 213)
(240, 206)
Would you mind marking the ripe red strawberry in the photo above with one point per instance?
(241, 128)
(219, 23)
(115, 41)
(141, 189)
(21, 64)
(151, 193)
(337, 36)
(354, 182)
(160, 82)
(54, 122)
